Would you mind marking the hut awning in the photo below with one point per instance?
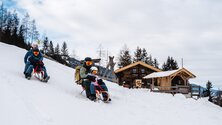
(168, 73)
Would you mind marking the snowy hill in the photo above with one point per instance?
(59, 102)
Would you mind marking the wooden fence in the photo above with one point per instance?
(193, 90)
(171, 89)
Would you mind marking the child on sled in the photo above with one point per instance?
(98, 85)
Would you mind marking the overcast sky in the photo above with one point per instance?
(188, 29)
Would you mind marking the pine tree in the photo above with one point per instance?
(57, 49)
(64, 51)
(14, 30)
(155, 63)
(137, 55)
(164, 67)
(45, 45)
(208, 91)
(144, 57)
(51, 49)
(26, 24)
(170, 64)
(174, 64)
(6, 29)
(124, 57)
(150, 60)
(21, 38)
(3, 16)
(10, 31)
(34, 34)
(57, 55)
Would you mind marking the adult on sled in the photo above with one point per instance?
(28, 54)
(86, 79)
(35, 61)
(98, 85)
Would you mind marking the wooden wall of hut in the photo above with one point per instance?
(129, 76)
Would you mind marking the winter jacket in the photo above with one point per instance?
(84, 70)
(35, 59)
(27, 55)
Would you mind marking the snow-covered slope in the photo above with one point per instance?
(59, 102)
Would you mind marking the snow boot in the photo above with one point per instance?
(92, 97)
(105, 99)
(27, 76)
(45, 79)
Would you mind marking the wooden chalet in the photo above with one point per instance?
(172, 81)
(132, 75)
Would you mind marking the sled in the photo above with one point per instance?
(99, 96)
(39, 74)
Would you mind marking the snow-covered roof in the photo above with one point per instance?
(167, 73)
(160, 74)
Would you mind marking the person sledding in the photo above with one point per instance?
(86, 79)
(28, 54)
(97, 86)
(35, 62)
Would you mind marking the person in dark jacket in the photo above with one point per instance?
(27, 55)
(84, 71)
(35, 59)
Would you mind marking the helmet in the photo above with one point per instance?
(93, 68)
(34, 45)
(35, 51)
(88, 59)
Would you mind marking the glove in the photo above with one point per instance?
(100, 82)
(40, 63)
(32, 60)
(91, 78)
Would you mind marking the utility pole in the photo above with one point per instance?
(107, 56)
(101, 52)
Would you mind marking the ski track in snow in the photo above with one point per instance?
(59, 102)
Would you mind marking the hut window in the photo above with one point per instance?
(134, 70)
(142, 70)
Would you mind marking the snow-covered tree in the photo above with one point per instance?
(26, 27)
(3, 16)
(34, 34)
(138, 55)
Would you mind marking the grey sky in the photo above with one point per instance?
(188, 29)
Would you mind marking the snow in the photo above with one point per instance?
(59, 102)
